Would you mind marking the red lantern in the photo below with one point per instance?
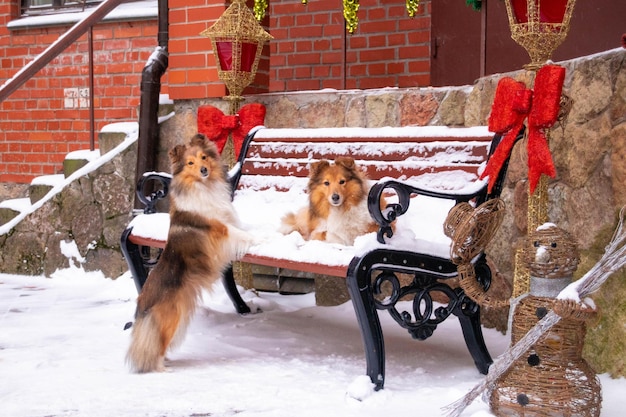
(549, 12)
(246, 60)
(238, 41)
(539, 26)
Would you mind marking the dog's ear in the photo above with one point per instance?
(198, 140)
(211, 150)
(176, 153)
(345, 161)
(317, 167)
(206, 145)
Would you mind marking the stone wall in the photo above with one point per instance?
(91, 211)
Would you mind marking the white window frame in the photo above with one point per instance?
(130, 11)
(27, 8)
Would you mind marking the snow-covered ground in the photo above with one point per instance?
(62, 348)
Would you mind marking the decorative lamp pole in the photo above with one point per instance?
(539, 26)
(237, 40)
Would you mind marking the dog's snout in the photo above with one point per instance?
(335, 197)
(204, 171)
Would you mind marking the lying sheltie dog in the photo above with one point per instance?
(337, 210)
(203, 239)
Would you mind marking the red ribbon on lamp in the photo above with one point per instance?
(512, 104)
(216, 125)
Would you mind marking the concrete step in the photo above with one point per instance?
(9, 209)
(40, 186)
(76, 160)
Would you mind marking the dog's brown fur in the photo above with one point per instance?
(337, 210)
(203, 240)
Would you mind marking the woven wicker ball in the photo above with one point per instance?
(471, 229)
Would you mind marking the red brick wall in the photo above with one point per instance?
(192, 69)
(388, 49)
(40, 123)
(310, 51)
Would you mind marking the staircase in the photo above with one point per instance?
(40, 187)
(109, 138)
(89, 204)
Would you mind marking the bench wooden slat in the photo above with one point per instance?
(357, 134)
(335, 271)
(146, 241)
(373, 172)
(390, 139)
(377, 151)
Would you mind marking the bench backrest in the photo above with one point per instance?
(280, 158)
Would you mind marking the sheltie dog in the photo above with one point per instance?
(337, 210)
(203, 239)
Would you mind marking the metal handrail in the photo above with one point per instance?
(150, 86)
(79, 29)
(58, 46)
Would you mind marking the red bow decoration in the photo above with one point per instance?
(512, 103)
(216, 125)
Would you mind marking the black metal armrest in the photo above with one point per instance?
(151, 188)
(154, 186)
(234, 175)
(387, 215)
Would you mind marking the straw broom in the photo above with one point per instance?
(614, 258)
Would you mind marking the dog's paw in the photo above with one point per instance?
(240, 248)
(259, 240)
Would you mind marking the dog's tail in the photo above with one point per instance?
(145, 351)
(296, 222)
(288, 223)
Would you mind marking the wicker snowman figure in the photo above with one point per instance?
(552, 378)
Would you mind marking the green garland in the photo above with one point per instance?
(476, 4)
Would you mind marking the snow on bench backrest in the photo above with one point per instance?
(280, 158)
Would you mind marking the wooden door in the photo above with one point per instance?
(467, 45)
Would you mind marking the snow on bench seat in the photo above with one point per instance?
(274, 179)
(260, 211)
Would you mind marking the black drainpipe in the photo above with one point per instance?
(148, 140)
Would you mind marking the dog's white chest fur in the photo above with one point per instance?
(343, 226)
(209, 200)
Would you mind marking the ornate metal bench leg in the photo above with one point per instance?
(231, 289)
(367, 317)
(132, 253)
(469, 316)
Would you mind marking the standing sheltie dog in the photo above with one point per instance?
(337, 210)
(203, 240)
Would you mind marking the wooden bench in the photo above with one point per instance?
(430, 168)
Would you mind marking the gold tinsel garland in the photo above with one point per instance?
(260, 6)
(351, 7)
(411, 7)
